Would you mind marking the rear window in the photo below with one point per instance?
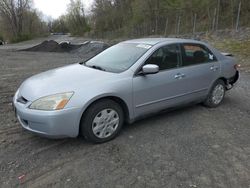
(196, 54)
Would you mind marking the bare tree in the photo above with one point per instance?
(75, 18)
(18, 20)
(12, 12)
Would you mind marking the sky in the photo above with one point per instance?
(56, 8)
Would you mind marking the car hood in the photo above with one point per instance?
(64, 79)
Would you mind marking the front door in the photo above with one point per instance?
(162, 90)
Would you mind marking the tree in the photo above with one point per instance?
(12, 12)
(60, 25)
(75, 18)
(108, 15)
(147, 17)
(19, 21)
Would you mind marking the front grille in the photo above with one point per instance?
(22, 100)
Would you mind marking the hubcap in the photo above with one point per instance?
(105, 123)
(218, 94)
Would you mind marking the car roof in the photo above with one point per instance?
(154, 41)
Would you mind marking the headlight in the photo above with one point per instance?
(52, 102)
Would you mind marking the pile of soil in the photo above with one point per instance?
(88, 49)
(53, 46)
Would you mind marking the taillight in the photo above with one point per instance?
(237, 66)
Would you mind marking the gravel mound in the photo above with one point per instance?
(53, 46)
(90, 48)
(87, 49)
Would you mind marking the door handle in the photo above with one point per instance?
(214, 68)
(179, 76)
(183, 75)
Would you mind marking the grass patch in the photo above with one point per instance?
(21, 38)
(240, 49)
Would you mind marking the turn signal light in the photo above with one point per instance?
(62, 104)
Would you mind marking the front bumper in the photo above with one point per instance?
(52, 124)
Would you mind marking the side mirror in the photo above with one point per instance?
(150, 69)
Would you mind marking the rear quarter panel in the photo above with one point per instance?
(226, 63)
(227, 67)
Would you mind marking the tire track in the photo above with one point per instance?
(74, 159)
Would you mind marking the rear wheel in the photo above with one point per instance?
(216, 95)
(102, 121)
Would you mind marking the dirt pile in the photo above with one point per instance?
(86, 49)
(53, 46)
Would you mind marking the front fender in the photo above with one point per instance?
(127, 102)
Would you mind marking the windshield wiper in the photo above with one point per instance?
(97, 67)
(84, 61)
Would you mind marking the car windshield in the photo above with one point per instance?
(118, 58)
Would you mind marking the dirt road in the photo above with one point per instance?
(191, 147)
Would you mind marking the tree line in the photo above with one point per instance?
(164, 17)
(127, 18)
(74, 21)
(117, 18)
(19, 21)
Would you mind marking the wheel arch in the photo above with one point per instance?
(212, 83)
(220, 78)
(117, 99)
(223, 79)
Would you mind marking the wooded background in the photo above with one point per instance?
(135, 18)
(18, 21)
(125, 18)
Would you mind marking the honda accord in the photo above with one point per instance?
(123, 83)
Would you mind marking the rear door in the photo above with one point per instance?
(201, 69)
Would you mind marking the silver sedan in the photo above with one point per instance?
(123, 83)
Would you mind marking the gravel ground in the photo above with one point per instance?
(190, 147)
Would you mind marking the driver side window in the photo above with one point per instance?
(166, 57)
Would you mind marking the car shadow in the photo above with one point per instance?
(149, 121)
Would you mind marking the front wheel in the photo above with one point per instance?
(216, 95)
(102, 121)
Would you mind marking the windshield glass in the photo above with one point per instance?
(118, 58)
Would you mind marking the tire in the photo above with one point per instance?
(102, 121)
(214, 100)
